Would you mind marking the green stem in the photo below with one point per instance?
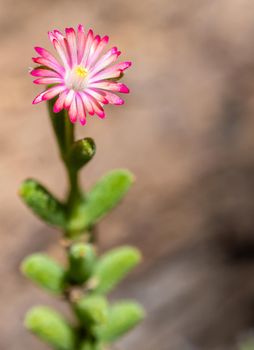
(74, 194)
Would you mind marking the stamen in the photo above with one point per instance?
(81, 71)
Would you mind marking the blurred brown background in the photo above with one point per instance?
(186, 131)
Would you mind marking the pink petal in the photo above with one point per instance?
(45, 62)
(52, 92)
(38, 98)
(105, 74)
(81, 41)
(49, 93)
(107, 59)
(61, 52)
(93, 48)
(38, 72)
(89, 41)
(71, 39)
(55, 34)
(96, 106)
(97, 95)
(112, 98)
(48, 81)
(58, 36)
(73, 110)
(98, 51)
(46, 54)
(111, 72)
(69, 98)
(87, 104)
(122, 65)
(59, 104)
(111, 86)
(81, 110)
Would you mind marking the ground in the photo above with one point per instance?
(186, 131)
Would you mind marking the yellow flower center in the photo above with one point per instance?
(81, 71)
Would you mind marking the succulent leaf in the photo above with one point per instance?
(123, 316)
(50, 327)
(45, 272)
(42, 203)
(104, 196)
(113, 266)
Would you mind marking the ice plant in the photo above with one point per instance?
(84, 77)
(82, 83)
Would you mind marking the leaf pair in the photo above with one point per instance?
(100, 321)
(52, 328)
(108, 323)
(104, 196)
(107, 271)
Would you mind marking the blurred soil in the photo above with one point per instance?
(186, 131)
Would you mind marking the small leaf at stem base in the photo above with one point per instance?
(50, 327)
(123, 316)
(113, 266)
(104, 196)
(45, 272)
(42, 203)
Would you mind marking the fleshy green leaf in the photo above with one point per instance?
(81, 262)
(42, 203)
(104, 196)
(113, 266)
(50, 327)
(45, 272)
(123, 316)
(92, 310)
(82, 152)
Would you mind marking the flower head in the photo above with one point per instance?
(83, 77)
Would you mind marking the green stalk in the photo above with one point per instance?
(65, 136)
(75, 194)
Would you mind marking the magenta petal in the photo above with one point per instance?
(111, 86)
(89, 41)
(87, 103)
(52, 92)
(97, 95)
(48, 81)
(59, 104)
(38, 72)
(105, 74)
(96, 106)
(69, 98)
(38, 98)
(48, 94)
(107, 59)
(81, 40)
(112, 98)
(73, 110)
(61, 52)
(45, 62)
(81, 110)
(122, 65)
(71, 39)
(98, 51)
(46, 54)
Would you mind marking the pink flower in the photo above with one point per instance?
(85, 78)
